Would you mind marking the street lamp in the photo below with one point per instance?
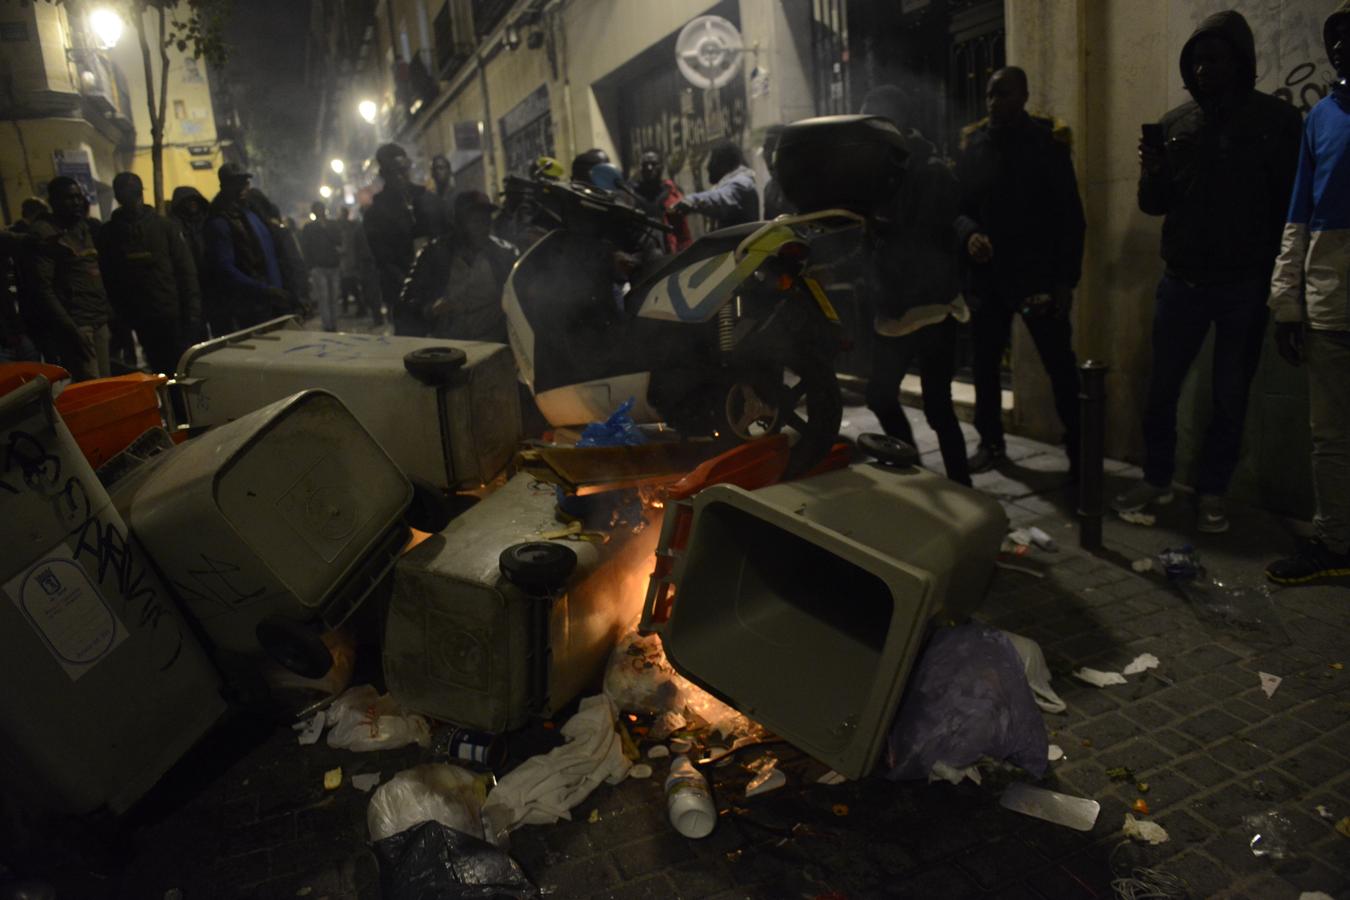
(325, 191)
(337, 166)
(368, 110)
(107, 27)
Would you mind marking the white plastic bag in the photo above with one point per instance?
(1038, 673)
(639, 678)
(436, 792)
(361, 719)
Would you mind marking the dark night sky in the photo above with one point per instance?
(267, 41)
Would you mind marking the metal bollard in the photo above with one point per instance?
(1091, 453)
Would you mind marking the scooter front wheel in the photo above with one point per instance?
(800, 397)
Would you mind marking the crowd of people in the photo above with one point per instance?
(995, 234)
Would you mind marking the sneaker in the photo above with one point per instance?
(1311, 562)
(987, 456)
(1212, 517)
(1140, 496)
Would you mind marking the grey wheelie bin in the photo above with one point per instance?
(448, 412)
(804, 604)
(272, 526)
(107, 687)
(491, 621)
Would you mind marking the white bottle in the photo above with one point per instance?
(689, 800)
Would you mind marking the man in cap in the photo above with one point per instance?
(242, 254)
(455, 287)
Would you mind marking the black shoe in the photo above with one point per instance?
(1312, 561)
(987, 456)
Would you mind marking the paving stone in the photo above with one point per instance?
(1182, 699)
(1203, 875)
(652, 853)
(1245, 710)
(1149, 715)
(579, 878)
(1138, 756)
(1174, 742)
(1182, 827)
(655, 887)
(1241, 755)
(997, 863)
(1204, 770)
(1314, 765)
(1210, 725)
(1108, 730)
(1323, 714)
(699, 879)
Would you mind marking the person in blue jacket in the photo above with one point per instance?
(242, 254)
(1310, 302)
(733, 199)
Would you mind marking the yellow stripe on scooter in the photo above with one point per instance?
(821, 300)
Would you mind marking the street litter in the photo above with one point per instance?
(1142, 565)
(1099, 679)
(1147, 832)
(545, 788)
(1019, 537)
(433, 860)
(967, 698)
(332, 779)
(1140, 806)
(1315, 895)
(1139, 518)
(1078, 813)
(593, 817)
(1037, 672)
(1141, 663)
(1042, 540)
(689, 800)
(658, 751)
(1271, 833)
(952, 775)
(362, 719)
(1269, 683)
(1324, 813)
(1181, 564)
(1055, 753)
(436, 792)
(831, 777)
(366, 783)
(312, 729)
(768, 777)
(840, 809)
(641, 770)
(1343, 827)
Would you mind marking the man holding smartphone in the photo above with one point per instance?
(1220, 169)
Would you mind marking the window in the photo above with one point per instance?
(179, 109)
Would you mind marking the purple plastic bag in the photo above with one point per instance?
(967, 697)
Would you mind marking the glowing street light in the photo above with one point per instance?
(325, 192)
(337, 166)
(107, 27)
(368, 110)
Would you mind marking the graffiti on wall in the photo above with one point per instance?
(680, 121)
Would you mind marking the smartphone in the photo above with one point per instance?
(1153, 135)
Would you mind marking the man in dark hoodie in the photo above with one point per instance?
(918, 304)
(70, 309)
(187, 210)
(1222, 177)
(1021, 226)
(242, 254)
(732, 199)
(149, 275)
(398, 219)
(1310, 299)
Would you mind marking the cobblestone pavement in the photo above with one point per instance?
(250, 817)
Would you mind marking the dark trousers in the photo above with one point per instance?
(160, 343)
(991, 332)
(1182, 317)
(935, 349)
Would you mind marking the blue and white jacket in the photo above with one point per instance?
(1311, 278)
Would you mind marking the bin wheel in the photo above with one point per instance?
(434, 365)
(537, 566)
(888, 450)
(295, 646)
(431, 510)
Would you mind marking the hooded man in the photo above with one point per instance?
(149, 275)
(242, 254)
(1021, 227)
(69, 309)
(455, 287)
(441, 197)
(321, 242)
(918, 303)
(585, 161)
(732, 200)
(1310, 300)
(399, 216)
(1221, 176)
(187, 210)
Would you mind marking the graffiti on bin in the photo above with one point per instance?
(213, 584)
(26, 463)
(340, 349)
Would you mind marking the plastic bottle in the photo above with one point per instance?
(689, 800)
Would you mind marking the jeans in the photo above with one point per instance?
(1327, 355)
(991, 332)
(1182, 318)
(935, 348)
(74, 359)
(327, 294)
